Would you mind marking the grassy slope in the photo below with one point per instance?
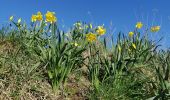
(23, 76)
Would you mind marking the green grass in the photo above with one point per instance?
(43, 62)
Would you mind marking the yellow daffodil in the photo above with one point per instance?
(101, 30)
(39, 16)
(133, 45)
(91, 37)
(50, 17)
(131, 34)
(34, 18)
(139, 25)
(19, 20)
(155, 28)
(11, 18)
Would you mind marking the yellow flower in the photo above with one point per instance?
(34, 18)
(19, 20)
(50, 17)
(101, 30)
(91, 37)
(131, 34)
(155, 28)
(11, 18)
(39, 16)
(133, 45)
(139, 25)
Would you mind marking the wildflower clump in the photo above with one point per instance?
(107, 60)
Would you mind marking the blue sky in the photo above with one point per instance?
(120, 15)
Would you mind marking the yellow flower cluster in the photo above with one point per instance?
(139, 25)
(50, 17)
(37, 17)
(100, 30)
(155, 28)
